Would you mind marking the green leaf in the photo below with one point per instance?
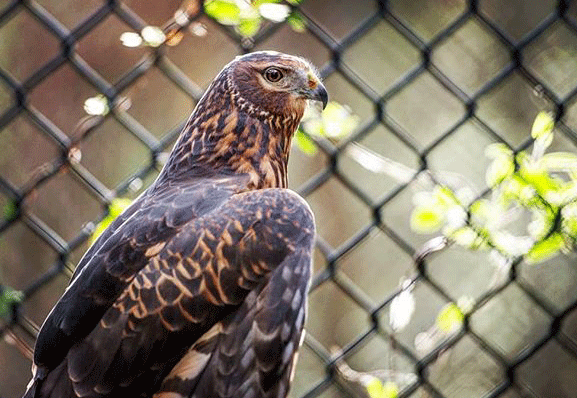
(559, 162)
(541, 223)
(115, 208)
(314, 127)
(509, 244)
(249, 27)
(444, 196)
(533, 174)
(10, 211)
(498, 149)
(377, 389)
(450, 318)
(542, 132)
(501, 168)
(514, 185)
(543, 125)
(294, 2)
(305, 143)
(546, 248)
(480, 209)
(338, 120)
(467, 237)
(374, 388)
(569, 191)
(297, 22)
(390, 390)
(335, 122)
(8, 297)
(569, 220)
(427, 219)
(225, 12)
(541, 181)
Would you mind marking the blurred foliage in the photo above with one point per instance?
(542, 186)
(382, 383)
(96, 106)
(402, 307)
(10, 211)
(151, 36)
(8, 297)
(114, 209)
(377, 389)
(334, 123)
(450, 318)
(247, 17)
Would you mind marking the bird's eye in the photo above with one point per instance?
(273, 75)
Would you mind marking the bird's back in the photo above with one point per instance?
(112, 263)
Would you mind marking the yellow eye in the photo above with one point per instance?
(273, 74)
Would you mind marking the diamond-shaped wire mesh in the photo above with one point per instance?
(433, 82)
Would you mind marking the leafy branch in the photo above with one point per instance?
(538, 184)
(526, 185)
(247, 17)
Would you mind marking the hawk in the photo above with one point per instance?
(198, 289)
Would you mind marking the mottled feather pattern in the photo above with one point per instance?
(199, 288)
(254, 345)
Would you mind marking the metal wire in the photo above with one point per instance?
(157, 58)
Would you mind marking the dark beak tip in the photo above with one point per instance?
(322, 95)
(319, 93)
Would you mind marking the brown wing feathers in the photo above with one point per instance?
(199, 288)
(249, 353)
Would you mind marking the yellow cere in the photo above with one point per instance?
(313, 81)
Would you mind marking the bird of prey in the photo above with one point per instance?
(199, 288)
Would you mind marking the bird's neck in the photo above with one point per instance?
(234, 143)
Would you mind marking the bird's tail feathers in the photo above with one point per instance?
(55, 384)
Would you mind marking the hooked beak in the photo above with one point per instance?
(315, 90)
(319, 93)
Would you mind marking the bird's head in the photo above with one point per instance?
(275, 83)
(245, 121)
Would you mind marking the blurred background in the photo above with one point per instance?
(429, 84)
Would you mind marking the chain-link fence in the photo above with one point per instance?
(433, 82)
